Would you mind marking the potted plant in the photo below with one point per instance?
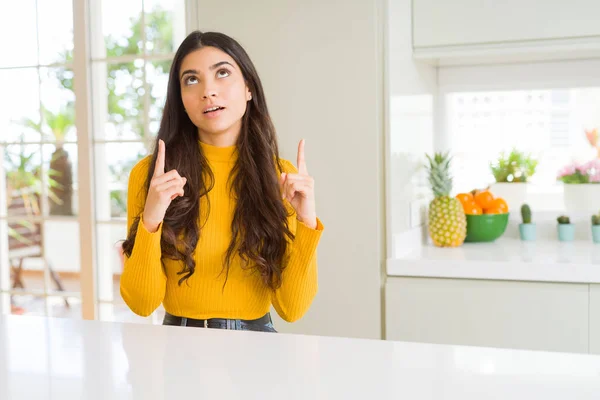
(596, 228)
(526, 228)
(511, 172)
(566, 230)
(581, 185)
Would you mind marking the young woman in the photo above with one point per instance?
(219, 227)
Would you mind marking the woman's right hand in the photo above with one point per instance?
(164, 188)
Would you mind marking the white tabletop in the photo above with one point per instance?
(505, 259)
(67, 359)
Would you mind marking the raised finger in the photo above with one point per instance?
(301, 161)
(298, 178)
(282, 180)
(159, 167)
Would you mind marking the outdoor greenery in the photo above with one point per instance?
(126, 90)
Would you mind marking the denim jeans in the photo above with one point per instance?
(262, 324)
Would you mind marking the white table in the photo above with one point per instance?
(65, 359)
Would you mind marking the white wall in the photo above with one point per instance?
(321, 66)
(412, 106)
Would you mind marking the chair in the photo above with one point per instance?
(26, 239)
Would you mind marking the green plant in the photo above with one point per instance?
(120, 172)
(126, 104)
(24, 179)
(57, 125)
(515, 167)
(563, 220)
(526, 213)
(596, 219)
(23, 175)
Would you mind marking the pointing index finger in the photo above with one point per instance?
(301, 161)
(159, 167)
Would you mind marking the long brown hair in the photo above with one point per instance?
(260, 230)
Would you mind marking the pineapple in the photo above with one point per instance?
(447, 220)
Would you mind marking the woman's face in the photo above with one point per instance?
(214, 93)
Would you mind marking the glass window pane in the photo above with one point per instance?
(165, 25)
(61, 253)
(64, 307)
(157, 75)
(60, 165)
(5, 266)
(35, 247)
(22, 168)
(119, 23)
(55, 25)
(18, 30)
(25, 246)
(58, 104)
(119, 103)
(20, 116)
(109, 238)
(549, 124)
(114, 161)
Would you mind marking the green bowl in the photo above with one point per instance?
(486, 227)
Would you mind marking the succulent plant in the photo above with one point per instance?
(563, 220)
(526, 213)
(596, 219)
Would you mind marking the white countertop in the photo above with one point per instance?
(67, 359)
(505, 259)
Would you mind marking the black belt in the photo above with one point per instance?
(221, 323)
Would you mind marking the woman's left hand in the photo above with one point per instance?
(299, 190)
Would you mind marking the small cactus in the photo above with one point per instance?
(596, 219)
(526, 213)
(563, 220)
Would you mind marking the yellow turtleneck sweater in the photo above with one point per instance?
(144, 284)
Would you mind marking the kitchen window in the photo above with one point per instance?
(548, 123)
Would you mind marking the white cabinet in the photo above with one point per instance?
(521, 315)
(595, 319)
(468, 22)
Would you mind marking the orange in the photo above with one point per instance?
(472, 208)
(484, 199)
(465, 198)
(499, 203)
(495, 211)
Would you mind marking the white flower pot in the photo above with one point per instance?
(582, 197)
(515, 194)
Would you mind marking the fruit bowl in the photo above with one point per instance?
(486, 227)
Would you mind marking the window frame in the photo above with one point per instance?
(85, 108)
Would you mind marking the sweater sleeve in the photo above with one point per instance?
(299, 278)
(143, 282)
